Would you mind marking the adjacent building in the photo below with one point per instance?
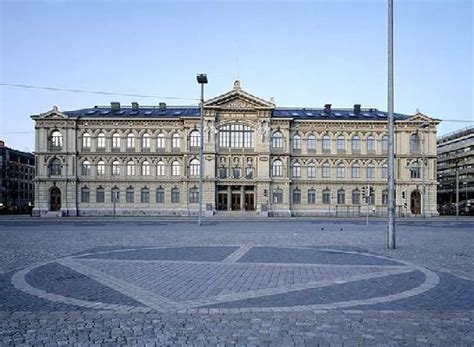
(456, 158)
(258, 159)
(17, 174)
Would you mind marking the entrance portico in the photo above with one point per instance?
(235, 198)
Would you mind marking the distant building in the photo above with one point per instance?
(17, 174)
(258, 159)
(456, 155)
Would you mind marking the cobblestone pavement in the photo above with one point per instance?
(298, 282)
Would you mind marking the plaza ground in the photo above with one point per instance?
(257, 282)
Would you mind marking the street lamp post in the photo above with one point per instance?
(424, 126)
(202, 80)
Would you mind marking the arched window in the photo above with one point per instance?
(194, 167)
(296, 196)
(100, 168)
(311, 170)
(145, 195)
(101, 140)
(356, 197)
(130, 195)
(277, 140)
(370, 144)
(160, 195)
(384, 171)
(296, 142)
(355, 171)
(326, 196)
(145, 168)
(130, 168)
(341, 170)
(236, 136)
(311, 142)
(341, 197)
(56, 139)
(175, 168)
(100, 195)
(326, 144)
(176, 141)
(86, 140)
(160, 141)
(296, 170)
(115, 168)
(195, 139)
(85, 194)
(277, 196)
(160, 168)
(193, 195)
(384, 143)
(415, 170)
(311, 196)
(326, 170)
(415, 143)
(371, 171)
(341, 143)
(356, 143)
(277, 168)
(175, 195)
(146, 141)
(86, 168)
(116, 141)
(130, 141)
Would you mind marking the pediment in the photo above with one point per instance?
(53, 114)
(419, 117)
(238, 99)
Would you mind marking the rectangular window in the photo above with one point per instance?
(85, 195)
(100, 195)
(236, 172)
(115, 196)
(356, 197)
(160, 196)
(175, 195)
(222, 172)
(296, 196)
(193, 196)
(145, 198)
(249, 172)
(130, 197)
(311, 196)
(278, 196)
(326, 197)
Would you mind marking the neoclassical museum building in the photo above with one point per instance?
(259, 159)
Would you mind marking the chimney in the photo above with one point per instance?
(327, 108)
(162, 106)
(115, 106)
(134, 106)
(357, 108)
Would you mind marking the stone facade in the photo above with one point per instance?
(257, 158)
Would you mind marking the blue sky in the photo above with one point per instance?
(302, 53)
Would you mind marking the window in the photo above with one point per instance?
(326, 143)
(249, 172)
(175, 195)
(341, 143)
(384, 171)
(100, 195)
(277, 140)
(194, 167)
(278, 196)
(86, 140)
(356, 197)
(370, 144)
(175, 169)
(415, 143)
(101, 140)
(384, 197)
(160, 168)
(341, 170)
(146, 141)
(176, 141)
(311, 170)
(116, 141)
(160, 141)
(116, 168)
(195, 139)
(277, 168)
(193, 195)
(372, 199)
(85, 194)
(145, 168)
(355, 143)
(130, 195)
(145, 195)
(355, 171)
(311, 142)
(130, 168)
(130, 141)
(236, 172)
(341, 197)
(296, 170)
(415, 170)
(56, 139)
(115, 196)
(235, 136)
(326, 170)
(86, 168)
(371, 171)
(296, 142)
(100, 168)
(384, 143)
(326, 196)
(311, 196)
(223, 172)
(296, 196)
(160, 195)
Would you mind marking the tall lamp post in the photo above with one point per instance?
(202, 80)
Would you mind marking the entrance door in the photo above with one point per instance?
(55, 199)
(222, 203)
(415, 202)
(249, 202)
(235, 201)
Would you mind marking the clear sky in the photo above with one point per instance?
(302, 53)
